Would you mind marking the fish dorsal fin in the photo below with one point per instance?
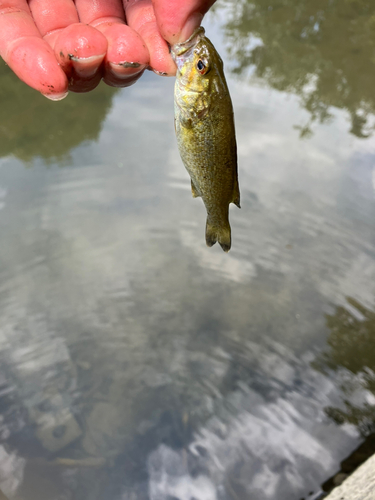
(236, 193)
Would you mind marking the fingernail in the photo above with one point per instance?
(160, 73)
(56, 97)
(85, 67)
(126, 68)
(127, 64)
(191, 24)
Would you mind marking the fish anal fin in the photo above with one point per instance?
(194, 190)
(220, 233)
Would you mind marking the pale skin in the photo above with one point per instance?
(59, 45)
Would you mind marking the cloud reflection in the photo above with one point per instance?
(270, 445)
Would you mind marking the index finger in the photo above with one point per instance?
(177, 19)
(24, 50)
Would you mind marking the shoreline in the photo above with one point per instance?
(360, 485)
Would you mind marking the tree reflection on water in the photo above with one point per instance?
(323, 51)
(32, 126)
(352, 353)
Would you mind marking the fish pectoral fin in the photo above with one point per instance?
(194, 190)
(236, 193)
(186, 121)
(222, 234)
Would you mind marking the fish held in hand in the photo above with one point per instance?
(204, 125)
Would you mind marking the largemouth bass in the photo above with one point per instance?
(205, 133)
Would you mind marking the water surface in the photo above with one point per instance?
(138, 364)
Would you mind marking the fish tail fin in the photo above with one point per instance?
(218, 232)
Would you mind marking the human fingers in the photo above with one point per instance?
(177, 19)
(127, 55)
(141, 17)
(79, 49)
(28, 55)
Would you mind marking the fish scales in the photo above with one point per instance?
(205, 132)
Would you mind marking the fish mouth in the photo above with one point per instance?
(185, 48)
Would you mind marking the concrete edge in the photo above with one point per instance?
(358, 486)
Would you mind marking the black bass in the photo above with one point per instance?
(205, 133)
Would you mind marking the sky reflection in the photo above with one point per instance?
(138, 364)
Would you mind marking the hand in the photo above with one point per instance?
(60, 45)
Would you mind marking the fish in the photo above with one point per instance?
(204, 125)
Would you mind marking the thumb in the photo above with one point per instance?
(177, 19)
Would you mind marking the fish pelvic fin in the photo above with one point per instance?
(220, 233)
(194, 190)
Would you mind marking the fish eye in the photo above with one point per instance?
(200, 65)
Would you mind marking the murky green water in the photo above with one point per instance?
(136, 363)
